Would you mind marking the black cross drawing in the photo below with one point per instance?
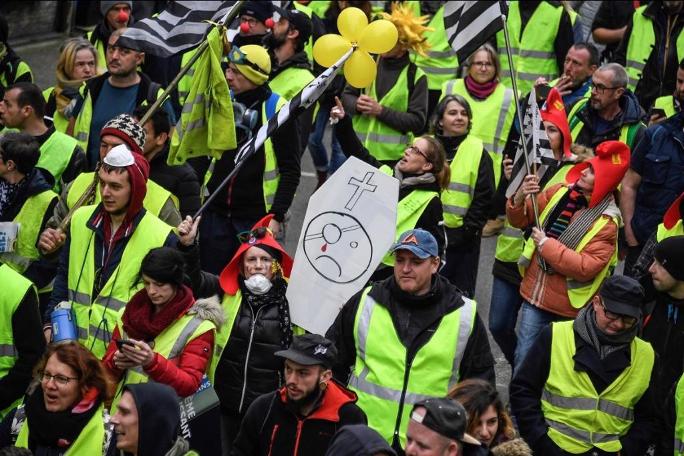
(363, 185)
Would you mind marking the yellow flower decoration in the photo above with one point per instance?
(411, 28)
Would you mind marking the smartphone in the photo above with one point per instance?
(543, 91)
(121, 342)
(660, 112)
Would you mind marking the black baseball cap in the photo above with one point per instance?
(622, 295)
(446, 417)
(670, 254)
(310, 350)
(298, 21)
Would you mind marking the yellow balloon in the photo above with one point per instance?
(351, 23)
(379, 37)
(360, 69)
(329, 48)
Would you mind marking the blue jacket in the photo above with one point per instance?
(659, 160)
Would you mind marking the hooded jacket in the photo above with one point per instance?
(273, 427)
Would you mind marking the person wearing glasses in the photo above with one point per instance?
(64, 410)
(256, 314)
(612, 112)
(585, 386)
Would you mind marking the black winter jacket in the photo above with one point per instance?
(180, 180)
(273, 427)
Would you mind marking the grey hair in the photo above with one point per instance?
(620, 77)
(489, 49)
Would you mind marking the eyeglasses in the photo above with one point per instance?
(415, 150)
(238, 57)
(612, 316)
(251, 236)
(250, 20)
(600, 88)
(60, 379)
(484, 65)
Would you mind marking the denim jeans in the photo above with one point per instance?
(317, 149)
(503, 314)
(218, 239)
(532, 321)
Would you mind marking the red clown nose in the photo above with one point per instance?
(244, 27)
(122, 17)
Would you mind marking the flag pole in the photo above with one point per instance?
(535, 208)
(300, 102)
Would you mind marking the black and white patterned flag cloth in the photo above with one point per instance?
(469, 24)
(538, 149)
(182, 25)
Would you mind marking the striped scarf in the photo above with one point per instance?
(574, 202)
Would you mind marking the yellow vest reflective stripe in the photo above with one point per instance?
(186, 81)
(55, 155)
(308, 47)
(579, 293)
(409, 210)
(14, 288)
(679, 422)
(664, 233)
(96, 316)
(497, 105)
(29, 217)
(580, 418)
(90, 441)
(381, 140)
(386, 391)
(533, 55)
(640, 46)
(456, 199)
(156, 196)
(627, 132)
(290, 81)
(509, 245)
(101, 53)
(441, 62)
(231, 306)
(666, 103)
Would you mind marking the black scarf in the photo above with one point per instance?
(604, 344)
(54, 429)
(275, 296)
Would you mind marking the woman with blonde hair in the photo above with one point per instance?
(77, 63)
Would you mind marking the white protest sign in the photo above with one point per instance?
(348, 228)
(8, 236)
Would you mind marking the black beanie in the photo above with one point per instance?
(670, 253)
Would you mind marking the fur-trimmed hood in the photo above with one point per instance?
(515, 447)
(209, 309)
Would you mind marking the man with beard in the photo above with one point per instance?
(668, 105)
(301, 417)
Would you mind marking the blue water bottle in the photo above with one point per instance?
(63, 327)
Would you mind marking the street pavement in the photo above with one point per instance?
(42, 58)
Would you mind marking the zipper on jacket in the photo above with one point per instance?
(252, 326)
(407, 372)
(300, 423)
(273, 436)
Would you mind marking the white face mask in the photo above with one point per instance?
(258, 284)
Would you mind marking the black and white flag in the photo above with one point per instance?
(538, 149)
(469, 24)
(182, 25)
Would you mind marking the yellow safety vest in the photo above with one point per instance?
(457, 198)
(156, 196)
(381, 140)
(58, 120)
(579, 293)
(55, 155)
(440, 63)
(666, 103)
(14, 288)
(679, 422)
(29, 217)
(627, 132)
(101, 50)
(532, 53)
(96, 316)
(185, 82)
(90, 441)
(231, 307)
(579, 417)
(640, 46)
(22, 69)
(664, 233)
(386, 390)
(498, 105)
(290, 81)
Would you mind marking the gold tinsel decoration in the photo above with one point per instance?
(410, 27)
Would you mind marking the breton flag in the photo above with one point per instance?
(182, 25)
(469, 24)
(538, 149)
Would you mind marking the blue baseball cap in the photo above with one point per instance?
(417, 241)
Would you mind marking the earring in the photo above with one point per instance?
(323, 385)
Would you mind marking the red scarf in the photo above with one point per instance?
(141, 323)
(480, 91)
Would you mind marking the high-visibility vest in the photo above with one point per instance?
(679, 422)
(101, 50)
(290, 82)
(666, 103)
(155, 199)
(533, 54)
(308, 46)
(641, 44)
(496, 106)
(96, 316)
(381, 140)
(91, 440)
(14, 288)
(58, 120)
(440, 63)
(509, 245)
(627, 131)
(409, 211)
(664, 233)
(231, 307)
(458, 197)
(10, 75)
(579, 293)
(319, 7)
(579, 417)
(55, 155)
(31, 213)
(386, 390)
(185, 82)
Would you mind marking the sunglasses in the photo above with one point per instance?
(237, 57)
(251, 236)
(612, 316)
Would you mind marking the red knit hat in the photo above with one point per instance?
(610, 165)
(554, 111)
(229, 276)
(674, 212)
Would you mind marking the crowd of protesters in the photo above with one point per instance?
(130, 327)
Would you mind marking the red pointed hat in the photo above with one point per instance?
(554, 111)
(229, 276)
(610, 165)
(674, 212)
